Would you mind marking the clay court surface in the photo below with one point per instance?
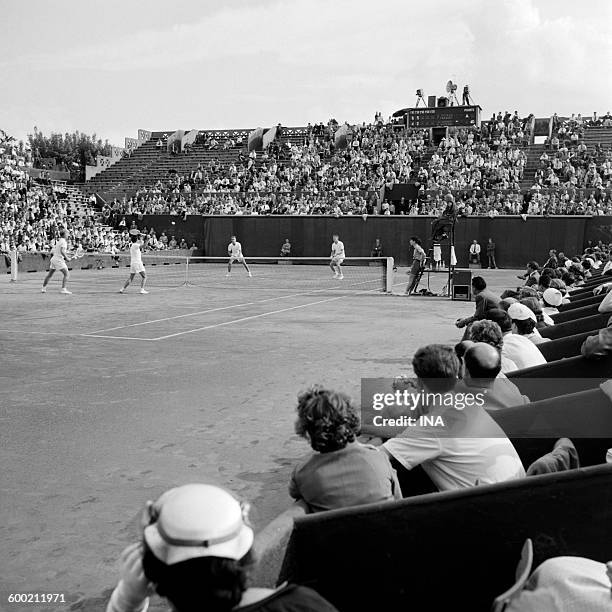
(107, 399)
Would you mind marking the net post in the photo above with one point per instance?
(14, 265)
(389, 275)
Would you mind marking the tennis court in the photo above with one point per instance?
(109, 399)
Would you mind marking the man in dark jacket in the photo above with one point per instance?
(485, 300)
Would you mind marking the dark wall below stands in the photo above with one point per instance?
(517, 241)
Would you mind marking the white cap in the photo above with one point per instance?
(199, 520)
(553, 296)
(520, 312)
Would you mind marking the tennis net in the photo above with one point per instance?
(361, 274)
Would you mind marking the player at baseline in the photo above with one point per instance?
(136, 265)
(337, 257)
(234, 250)
(59, 257)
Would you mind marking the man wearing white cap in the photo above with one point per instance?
(516, 347)
(197, 553)
(551, 300)
(524, 323)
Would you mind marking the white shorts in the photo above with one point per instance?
(337, 261)
(239, 259)
(137, 268)
(58, 263)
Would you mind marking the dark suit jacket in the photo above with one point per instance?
(486, 300)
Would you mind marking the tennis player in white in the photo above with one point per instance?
(136, 265)
(234, 250)
(337, 257)
(59, 257)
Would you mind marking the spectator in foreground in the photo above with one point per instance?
(470, 449)
(341, 472)
(485, 300)
(516, 347)
(565, 584)
(197, 553)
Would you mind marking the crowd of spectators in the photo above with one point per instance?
(33, 211)
(461, 163)
(575, 166)
(319, 175)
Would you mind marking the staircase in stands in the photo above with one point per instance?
(147, 164)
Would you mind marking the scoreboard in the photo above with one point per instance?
(444, 116)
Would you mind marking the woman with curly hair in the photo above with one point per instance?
(341, 472)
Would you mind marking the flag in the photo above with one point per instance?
(256, 140)
(453, 257)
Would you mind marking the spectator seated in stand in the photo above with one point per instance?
(342, 472)
(196, 552)
(482, 369)
(485, 301)
(478, 452)
(517, 348)
(490, 332)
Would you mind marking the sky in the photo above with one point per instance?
(114, 66)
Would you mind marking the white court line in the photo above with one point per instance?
(257, 316)
(27, 331)
(118, 337)
(200, 312)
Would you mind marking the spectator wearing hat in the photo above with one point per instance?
(482, 369)
(524, 322)
(565, 584)
(197, 553)
(542, 320)
(485, 301)
(557, 283)
(479, 453)
(516, 347)
(552, 298)
(341, 472)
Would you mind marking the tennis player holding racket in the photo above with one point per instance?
(59, 257)
(136, 265)
(337, 257)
